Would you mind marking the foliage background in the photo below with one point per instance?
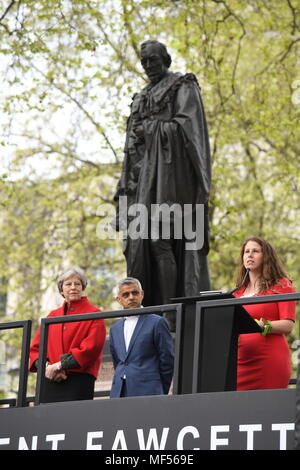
(68, 73)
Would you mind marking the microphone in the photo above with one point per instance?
(238, 287)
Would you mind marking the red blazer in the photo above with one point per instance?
(85, 339)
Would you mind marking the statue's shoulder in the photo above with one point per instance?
(137, 96)
(178, 79)
(190, 77)
(136, 100)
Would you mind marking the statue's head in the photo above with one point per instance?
(155, 60)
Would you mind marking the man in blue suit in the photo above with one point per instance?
(141, 347)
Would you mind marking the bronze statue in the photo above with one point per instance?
(165, 181)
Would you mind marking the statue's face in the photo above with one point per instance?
(153, 63)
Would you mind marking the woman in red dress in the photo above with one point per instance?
(264, 358)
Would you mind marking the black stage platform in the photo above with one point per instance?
(206, 421)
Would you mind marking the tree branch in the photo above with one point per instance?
(82, 108)
(237, 57)
(294, 13)
(7, 10)
(54, 149)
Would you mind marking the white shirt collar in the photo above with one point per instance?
(132, 317)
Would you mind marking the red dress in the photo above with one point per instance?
(264, 361)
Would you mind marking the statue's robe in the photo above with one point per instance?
(167, 161)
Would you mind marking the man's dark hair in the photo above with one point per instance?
(128, 281)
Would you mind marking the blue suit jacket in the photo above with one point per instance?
(149, 362)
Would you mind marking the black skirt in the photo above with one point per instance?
(77, 386)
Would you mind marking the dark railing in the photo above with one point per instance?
(11, 402)
(240, 301)
(23, 400)
(46, 322)
(23, 374)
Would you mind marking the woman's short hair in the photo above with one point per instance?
(70, 272)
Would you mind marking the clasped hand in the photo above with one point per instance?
(52, 373)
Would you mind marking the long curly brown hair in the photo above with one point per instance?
(272, 269)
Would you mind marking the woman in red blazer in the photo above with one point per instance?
(74, 349)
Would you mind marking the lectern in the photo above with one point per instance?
(207, 332)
